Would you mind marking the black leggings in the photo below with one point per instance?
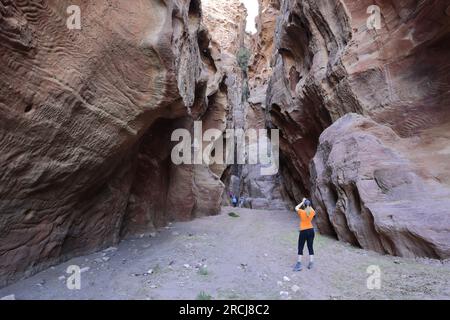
(308, 237)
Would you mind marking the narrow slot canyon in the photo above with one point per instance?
(353, 116)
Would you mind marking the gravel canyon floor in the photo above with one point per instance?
(245, 257)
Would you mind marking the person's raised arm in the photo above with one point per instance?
(300, 205)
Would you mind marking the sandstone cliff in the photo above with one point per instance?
(328, 63)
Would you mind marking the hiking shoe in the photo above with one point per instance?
(310, 265)
(298, 266)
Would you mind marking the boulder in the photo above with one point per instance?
(370, 190)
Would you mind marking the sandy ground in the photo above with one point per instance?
(246, 257)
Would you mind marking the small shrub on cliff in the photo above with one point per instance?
(243, 58)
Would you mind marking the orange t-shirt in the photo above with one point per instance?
(305, 221)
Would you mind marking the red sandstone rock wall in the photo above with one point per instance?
(85, 123)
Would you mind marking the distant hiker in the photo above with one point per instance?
(234, 200)
(306, 213)
(241, 202)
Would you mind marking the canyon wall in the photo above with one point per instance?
(386, 191)
(85, 123)
(226, 22)
(268, 191)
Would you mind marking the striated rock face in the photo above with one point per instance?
(261, 192)
(375, 193)
(226, 21)
(85, 123)
(328, 63)
(260, 69)
(263, 44)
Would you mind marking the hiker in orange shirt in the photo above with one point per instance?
(306, 213)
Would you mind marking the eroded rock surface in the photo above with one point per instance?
(85, 125)
(328, 63)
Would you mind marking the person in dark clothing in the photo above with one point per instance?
(234, 201)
